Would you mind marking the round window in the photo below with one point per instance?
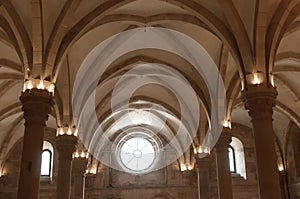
(137, 154)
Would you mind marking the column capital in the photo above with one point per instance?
(66, 145)
(37, 105)
(259, 100)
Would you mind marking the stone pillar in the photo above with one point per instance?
(297, 155)
(66, 145)
(37, 105)
(223, 168)
(203, 165)
(79, 166)
(260, 100)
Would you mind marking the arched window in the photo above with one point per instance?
(137, 154)
(232, 161)
(46, 163)
(47, 160)
(237, 157)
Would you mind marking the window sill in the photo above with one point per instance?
(237, 176)
(45, 180)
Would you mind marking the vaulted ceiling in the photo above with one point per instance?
(52, 39)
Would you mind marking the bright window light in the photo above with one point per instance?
(137, 154)
(46, 163)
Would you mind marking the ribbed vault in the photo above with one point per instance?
(51, 40)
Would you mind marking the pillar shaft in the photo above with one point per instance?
(260, 100)
(37, 105)
(203, 165)
(79, 166)
(297, 155)
(223, 168)
(65, 145)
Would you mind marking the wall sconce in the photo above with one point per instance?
(255, 78)
(202, 150)
(190, 167)
(92, 170)
(67, 131)
(183, 167)
(227, 123)
(186, 167)
(80, 154)
(280, 167)
(243, 84)
(2, 172)
(39, 84)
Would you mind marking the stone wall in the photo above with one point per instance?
(292, 161)
(164, 183)
(246, 188)
(168, 183)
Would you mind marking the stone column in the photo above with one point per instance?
(260, 100)
(66, 145)
(203, 165)
(223, 168)
(37, 105)
(79, 166)
(297, 155)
